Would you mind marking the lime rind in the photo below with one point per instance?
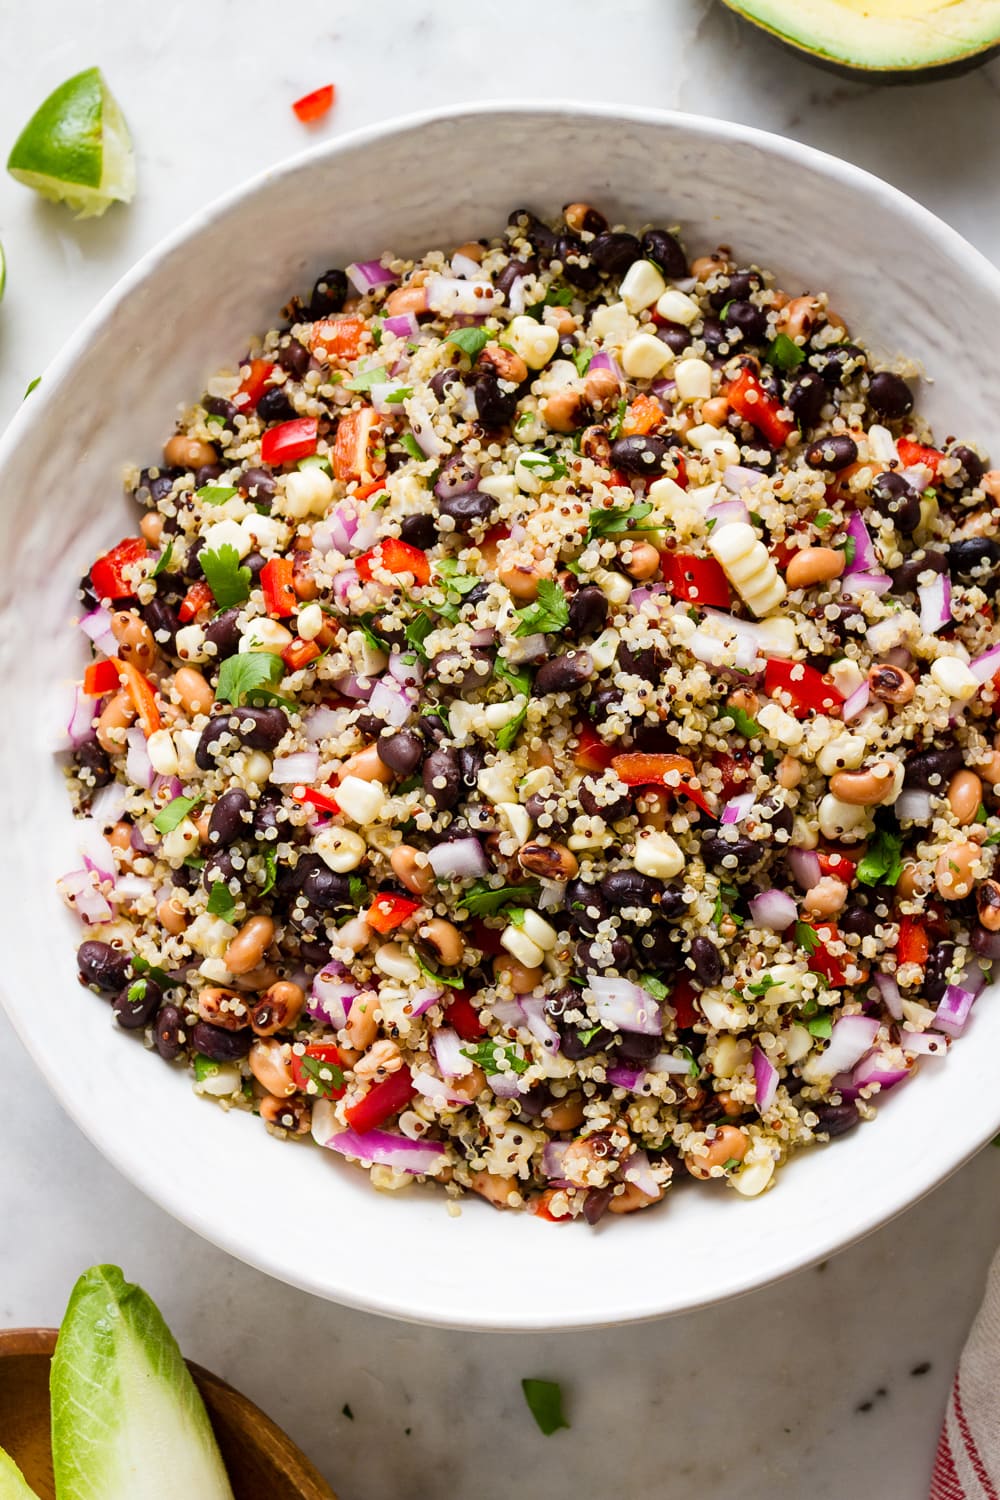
(76, 148)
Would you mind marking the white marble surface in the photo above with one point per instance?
(760, 1397)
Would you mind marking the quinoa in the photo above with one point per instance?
(541, 736)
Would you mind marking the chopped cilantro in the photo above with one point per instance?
(163, 561)
(544, 1398)
(136, 991)
(484, 1055)
(980, 814)
(398, 396)
(807, 937)
(271, 865)
(558, 296)
(328, 1078)
(518, 679)
(614, 429)
(169, 817)
(784, 354)
(471, 341)
(587, 1036)
(220, 901)
(745, 725)
(215, 494)
(544, 466)
(485, 900)
(882, 864)
(549, 613)
(418, 629)
(372, 636)
(228, 580)
(618, 520)
(358, 890)
(509, 732)
(412, 447)
(821, 1026)
(448, 979)
(850, 548)
(436, 711)
(994, 838)
(692, 1061)
(143, 966)
(581, 359)
(762, 986)
(824, 518)
(249, 675)
(204, 1067)
(31, 386)
(654, 987)
(363, 380)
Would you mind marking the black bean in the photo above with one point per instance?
(588, 612)
(255, 562)
(137, 1004)
(442, 778)
(169, 1033)
(329, 294)
(857, 921)
(265, 816)
(322, 887)
(545, 805)
(596, 808)
(666, 251)
(544, 239)
(219, 868)
(192, 567)
(750, 320)
(402, 751)
(470, 762)
(614, 253)
(713, 335)
(640, 455)
(208, 474)
(931, 770)
(983, 941)
(161, 620)
(90, 758)
(599, 955)
(889, 395)
(475, 595)
(936, 970)
(419, 531)
(596, 1204)
(836, 1119)
(974, 558)
(473, 509)
(224, 633)
(780, 817)
(646, 662)
(715, 848)
(806, 398)
(256, 729)
(579, 269)
(218, 406)
(102, 965)
(457, 672)
(904, 578)
(257, 483)
(157, 486)
(630, 888)
(839, 365)
(495, 406)
(972, 467)
(445, 381)
(603, 703)
(220, 1045)
(586, 907)
(832, 452)
(293, 357)
(741, 285)
(675, 336)
(592, 221)
(229, 819)
(707, 960)
(636, 1050)
(504, 281)
(898, 501)
(573, 1047)
(563, 674)
(274, 405)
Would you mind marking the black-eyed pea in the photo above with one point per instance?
(502, 1192)
(990, 482)
(278, 1008)
(182, 452)
(913, 880)
(249, 945)
(565, 410)
(891, 684)
(600, 388)
(151, 527)
(194, 692)
(367, 766)
(222, 1007)
(134, 637)
(744, 699)
(629, 1198)
(865, 788)
(115, 717)
(641, 561)
(988, 904)
(553, 861)
(293, 1115)
(470, 1085)
(521, 580)
(382, 1058)
(362, 1025)
(260, 978)
(269, 1064)
(727, 1145)
(508, 365)
(446, 940)
(965, 794)
(715, 410)
(472, 250)
(407, 299)
(813, 565)
(704, 266)
(412, 869)
(171, 916)
(565, 1114)
(799, 317)
(826, 897)
(731, 1107)
(954, 871)
(595, 443)
(522, 979)
(989, 770)
(789, 772)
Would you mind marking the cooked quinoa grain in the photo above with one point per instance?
(541, 736)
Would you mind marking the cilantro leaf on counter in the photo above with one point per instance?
(544, 1398)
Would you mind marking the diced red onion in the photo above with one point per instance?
(924, 1043)
(865, 559)
(773, 910)
(97, 627)
(660, 388)
(95, 849)
(386, 398)
(458, 859)
(391, 702)
(669, 1062)
(972, 978)
(138, 766)
(323, 722)
(737, 477)
(985, 667)
(875, 1069)
(854, 585)
(935, 603)
(331, 998)
(804, 865)
(457, 477)
(302, 767)
(553, 1159)
(725, 511)
(602, 360)
(108, 803)
(623, 1006)
(985, 942)
(855, 702)
(423, 1000)
(953, 1010)
(851, 1038)
(353, 686)
(508, 1013)
(891, 998)
(367, 274)
(737, 808)
(638, 1171)
(525, 648)
(914, 805)
(129, 887)
(765, 1079)
(435, 1089)
(447, 1047)
(507, 1085)
(533, 1010)
(646, 591)
(90, 904)
(449, 295)
(80, 728)
(343, 582)
(406, 669)
(402, 325)
(384, 1148)
(624, 1077)
(465, 266)
(136, 839)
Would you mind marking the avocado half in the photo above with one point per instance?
(888, 40)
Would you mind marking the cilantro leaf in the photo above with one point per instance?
(143, 966)
(807, 937)
(163, 561)
(615, 427)
(582, 359)
(418, 629)
(509, 732)
(448, 979)
(543, 466)
(215, 494)
(358, 890)
(824, 518)
(882, 864)
(253, 673)
(327, 1076)
(363, 380)
(745, 725)
(850, 547)
(412, 447)
(519, 680)
(229, 582)
(484, 1055)
(994, 838)
(485, 900)
(762, 985)
(271, 865)
(655, 987)
(471, 341)
(821, 1026)
(618, 520)
(784, 354)
(371, 636)
(32, 384)
(220, 901)
(204, 1067)
(169, 817)
(549, 612)
(544, 1398)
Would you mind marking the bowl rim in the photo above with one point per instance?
(113, 1145)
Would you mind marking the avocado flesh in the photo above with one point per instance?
(891, 36)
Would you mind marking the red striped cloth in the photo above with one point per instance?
(967, 1466)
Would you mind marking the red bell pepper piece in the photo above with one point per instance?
(837, 865)
(198, 597)
(289, 441)
(108, 573)
(820, 960)
(541, 1207)
(750, 400)
(299, 654)
(389, 911)
(913, 944)
(674, 772)
(680, 464)
(462, 1016)
(487, 939)
(313, 796)
(337, 338)
(276, 579)
(911, 453)
(735, 769)
(101, 677)
(395, 556)
(320, 1054)
(682, 998)
(382, 1102)
(142, 694)
(591, 753)
(254, 384)
(644, 415)
(365, 491)
(803, 685)
(696, 580)
(312, 107)
(352, 448)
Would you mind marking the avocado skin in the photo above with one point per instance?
(955, 67)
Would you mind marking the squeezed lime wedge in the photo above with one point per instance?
(76, 148)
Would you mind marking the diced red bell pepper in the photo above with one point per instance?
(198, 597)
(352, 447)
(101, 677)
(645, 414)
(807, 689)
(696, 580)
(750, 400)
(591, 753)
(680, 464)
(314, 796)
(254, 384)
(838, 865)
(303, 1075)
(337, 338)
(108, 573)
(289, 441)
(365, 491)
(487, 939)
(382, 1102)
(299, 654)
(143, 696)
(735, 768)
(638, 768)
(913, 944)
(911, 453)
(389, 911)
(312, 107)
(682, 998)
(820, 960)
(541, 1207)
(276, 579)
(394, 556)
(462, 1016)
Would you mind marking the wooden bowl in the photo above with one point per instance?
(263, 1463)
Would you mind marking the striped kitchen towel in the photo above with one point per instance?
(967, 1466)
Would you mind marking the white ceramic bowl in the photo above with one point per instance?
(903, 280)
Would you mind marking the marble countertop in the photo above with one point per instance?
(829, 1384)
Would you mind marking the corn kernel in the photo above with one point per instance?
(341, 849)
(954, 678)
(307, 492)
(678, 307)
(521, 947)
(694, 379)
(534, 342)
(641, 286)
(657, 854)
(644, 356)
(361, 801)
